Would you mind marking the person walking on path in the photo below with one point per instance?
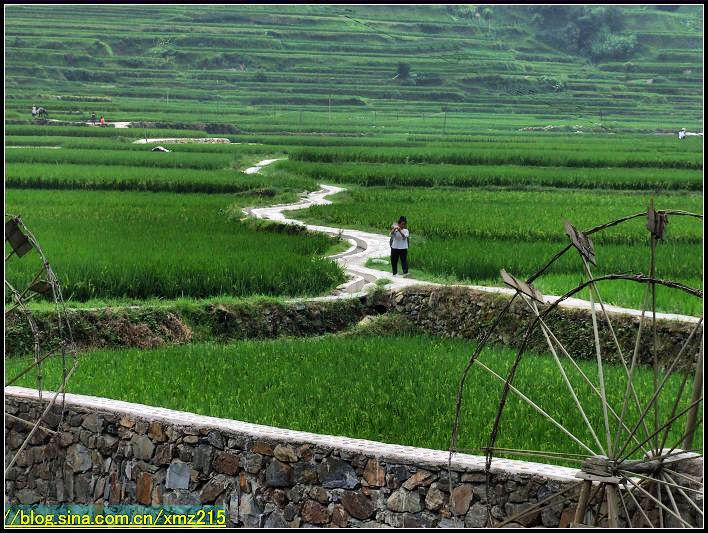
(399, 246)
(93, 118)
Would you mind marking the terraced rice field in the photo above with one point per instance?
(464, 230)
(334, 68)
(484, 130)
(294, 388)
(138, 245)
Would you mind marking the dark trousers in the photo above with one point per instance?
(395, 254)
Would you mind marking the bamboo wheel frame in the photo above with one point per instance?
(56, 342)
(630, 474)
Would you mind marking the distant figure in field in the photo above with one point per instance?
(682, 133)
(93, 118)
(34, 111)
(42, 113)
(103, 121)
(399, 246)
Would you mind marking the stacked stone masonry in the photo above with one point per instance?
(115, 452)
(106, 451)
(459, 311)
(454, 311)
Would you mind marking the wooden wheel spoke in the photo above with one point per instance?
(659, 481)
(673, 501)
(28, 368)
(682, 437)
(599, 491)
(657, 391)
(588, 381)
(630, 374)
(681, 474)
(655, 356)
(630, 384)
(677, 400)
(641, 510)
(671, 420)
(697, 391)
(36, 425)
(686, 496)
(660, 510)
(537, 408)
(657, 501)
(528, 453)
(624, 507)
(28, 423)
(600, 372)
(470, 362)
(534, 308)
(539, 504)
(560, 455)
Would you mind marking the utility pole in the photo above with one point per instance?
(444, 121)
(329, 108)
(217, 97)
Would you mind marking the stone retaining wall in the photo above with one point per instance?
(464, 312)
(107, 451)
(150, 327)
(443, 311)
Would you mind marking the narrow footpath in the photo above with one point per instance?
(365, 246)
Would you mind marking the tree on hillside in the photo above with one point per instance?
(404, 70)
(487, 15)
(591, 31)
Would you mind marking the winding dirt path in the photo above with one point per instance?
(258, 166)
(365, 246)
(185, 140)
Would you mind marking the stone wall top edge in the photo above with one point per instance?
(380, 450)
(572, 304)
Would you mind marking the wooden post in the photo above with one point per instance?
(697, 391)
(444, 122)
(612, 507)
(582, 502)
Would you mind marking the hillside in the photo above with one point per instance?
(391, 69)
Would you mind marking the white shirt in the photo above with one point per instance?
(399, 243)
